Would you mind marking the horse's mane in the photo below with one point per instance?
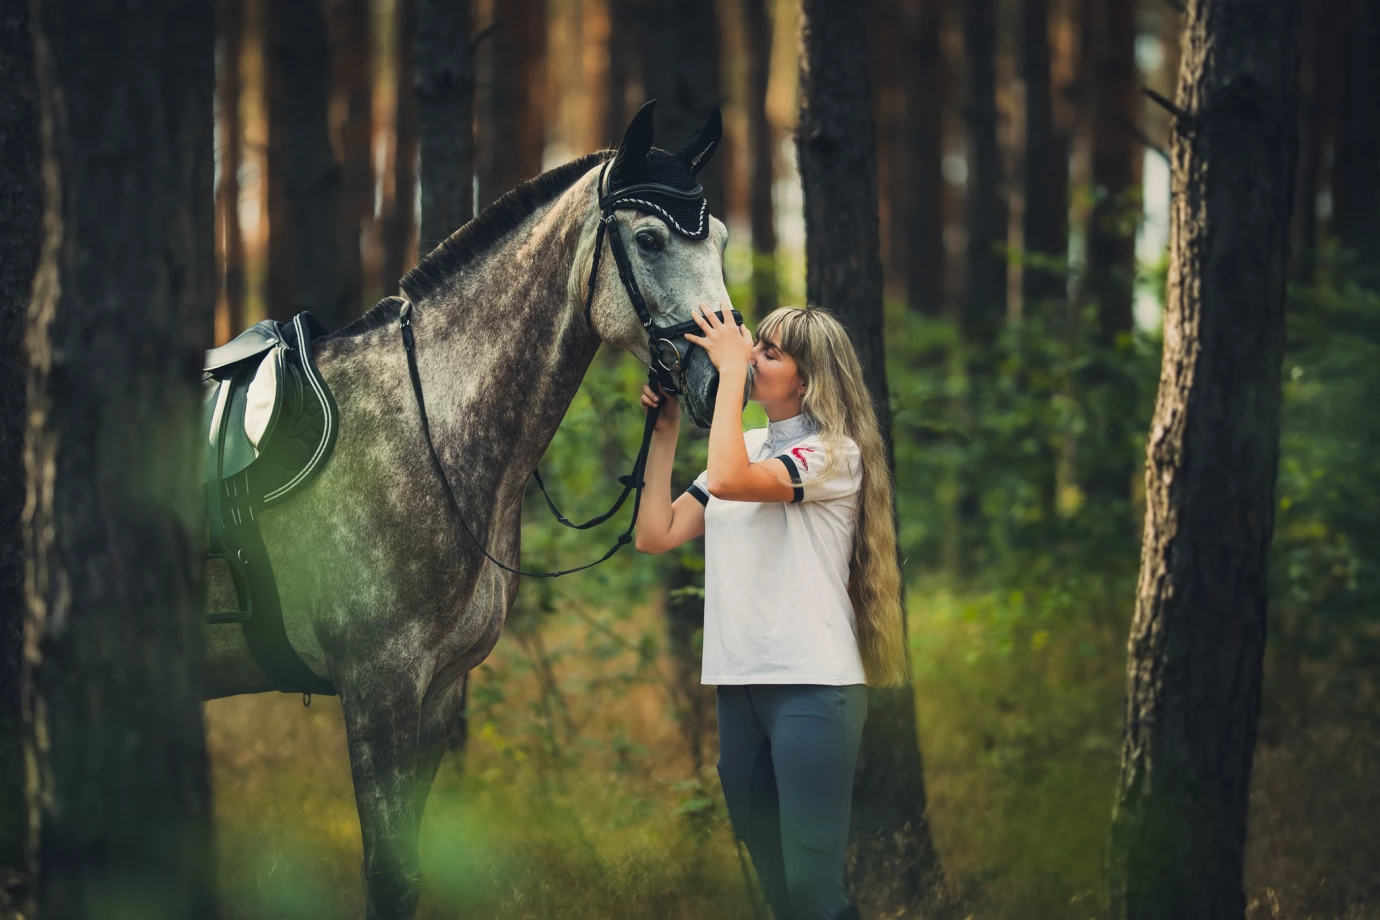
(474, 239)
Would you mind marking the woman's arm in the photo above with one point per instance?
(661, 524)
(731, 476)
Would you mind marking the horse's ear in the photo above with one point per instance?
(631, 162)
(700, 148)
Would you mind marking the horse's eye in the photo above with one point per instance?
(647, 241)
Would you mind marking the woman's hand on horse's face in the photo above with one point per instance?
(669, 419)
(726, 343)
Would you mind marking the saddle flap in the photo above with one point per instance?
(263, 401)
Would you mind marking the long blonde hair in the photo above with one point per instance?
(838, 400)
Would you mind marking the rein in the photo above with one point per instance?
(631, 482)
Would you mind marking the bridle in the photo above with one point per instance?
(661, 340)
(665, 371)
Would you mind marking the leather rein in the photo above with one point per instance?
(658, 373)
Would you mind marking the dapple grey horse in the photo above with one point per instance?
(382, 591)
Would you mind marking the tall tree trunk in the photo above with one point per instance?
(1045, 225)
(893, 862)
(230, 315)
(923, 183)
(886, 38)
(351, 70)
(517, 96)
(1320, 72)
(21, 228)
(114, 534)
(985, 312)
(1194, 669)
(400, 219)
(1045, 229)
(1356, 172)
(305, 182)
(761, 143)
(1105, 457)
(622, 35)
(443, 76)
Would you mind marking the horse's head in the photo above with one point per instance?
(671, 248)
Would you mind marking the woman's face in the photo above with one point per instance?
(776, 379)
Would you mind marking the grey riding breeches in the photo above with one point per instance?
(787, 753)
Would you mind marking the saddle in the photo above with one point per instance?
(271, 425)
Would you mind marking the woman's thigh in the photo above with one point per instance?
(815, 732)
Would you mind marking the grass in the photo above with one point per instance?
(578, 799)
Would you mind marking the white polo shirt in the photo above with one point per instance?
(776, 605)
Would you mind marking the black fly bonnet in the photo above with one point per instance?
(655, 181)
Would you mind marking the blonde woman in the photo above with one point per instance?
(802, 591)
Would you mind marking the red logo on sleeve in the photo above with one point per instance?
(799, 453)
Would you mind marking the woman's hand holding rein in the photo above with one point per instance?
(669, 420)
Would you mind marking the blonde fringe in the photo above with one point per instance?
(837, 398)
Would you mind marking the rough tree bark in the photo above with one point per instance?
(1194, 670)
(230, 315)
(305, 182)
(923, 185)
(892, 861)
(21, 229)
(761, 142)
(114, 535)
(443, 77)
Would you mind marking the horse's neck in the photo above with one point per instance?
(502, 355)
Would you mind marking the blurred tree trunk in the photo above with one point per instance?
(123, 307)
(516, 101)
(1044, 281)
(761, 158)
(1321, 47)
(886, 38)
(1179, 826)
(680, 68)
(1356, 171)
(1105, 457)
(985, 311)
(21, 232)
(893, 862)
(1045, 229)
(399, 219)
(443, 76)
(923, 181)
(230, 315)
(352, 87)
(622, 32)
(306, 269)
